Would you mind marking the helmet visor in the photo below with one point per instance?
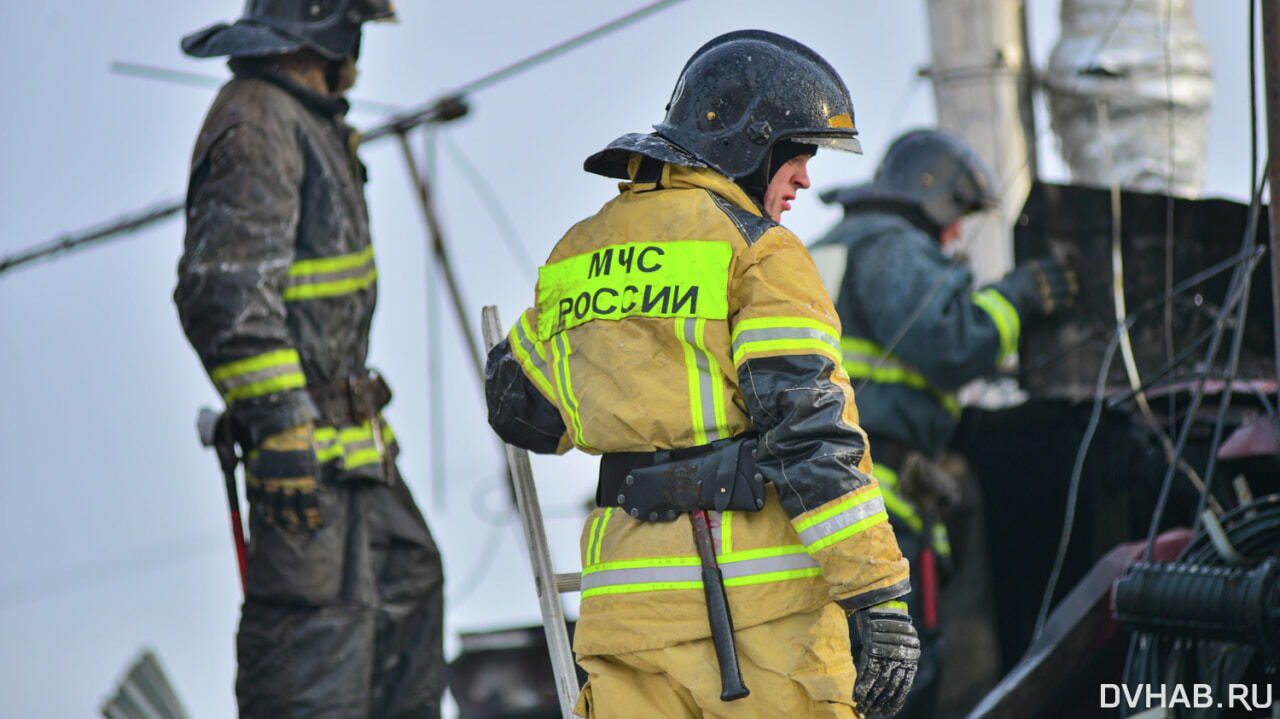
(376, 10)
(844, 142)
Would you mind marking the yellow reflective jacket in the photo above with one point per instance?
(675, 316)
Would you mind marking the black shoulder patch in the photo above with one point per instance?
(750, 226)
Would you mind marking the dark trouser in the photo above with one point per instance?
(922, 701)
(346, 621)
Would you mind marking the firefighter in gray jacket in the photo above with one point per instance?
(914, 331)
(276, 291)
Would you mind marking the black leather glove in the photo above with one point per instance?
(280, 480)
(1039, 287)
(887, 662)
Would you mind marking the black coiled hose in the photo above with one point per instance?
(1155, 659)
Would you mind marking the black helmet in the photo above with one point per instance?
(274, 27)
(737, 97)
(938, 173)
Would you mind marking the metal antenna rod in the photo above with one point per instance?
(1271, 66)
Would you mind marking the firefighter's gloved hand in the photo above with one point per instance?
(887, 662)
(280, 477)
(1039, 287)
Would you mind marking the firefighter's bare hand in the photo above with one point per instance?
(280, 479)
(887, 662)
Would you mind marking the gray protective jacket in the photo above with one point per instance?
(892, 271)
(277, 285)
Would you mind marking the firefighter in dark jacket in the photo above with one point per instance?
(683, 334)
(914, 332)
(276, 290)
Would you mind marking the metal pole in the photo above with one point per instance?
(982, 89)
(1271, 66)
(535, 536)
(422, 185)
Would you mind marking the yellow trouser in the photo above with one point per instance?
(798, 666)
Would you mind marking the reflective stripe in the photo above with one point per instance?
(706, 391)
(637, 279)
(899, 507)
(330, 276)
(863, 510)
(904, 510)
(771, 335)
(642, 575)
(597, 533)
(1008, 323)
(774, 564)
(531, 355)
(560, 354)
(864, 359)
(259, 375)
(893, 607)
(674, 573)
(353, 446)
(941, 541)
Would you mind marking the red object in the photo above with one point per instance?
(237, 529)
(928, 588)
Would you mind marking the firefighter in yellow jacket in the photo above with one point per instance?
(686, 337)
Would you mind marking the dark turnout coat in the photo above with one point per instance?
(276, 292)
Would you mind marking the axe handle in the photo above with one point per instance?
(731, 685)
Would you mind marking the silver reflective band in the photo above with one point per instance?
(849, 517)
(784, 333)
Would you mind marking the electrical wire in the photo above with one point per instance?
(1233, 364)
(401, 122)
(1117, 286)
(1238, 279)
(1073, 487)
(506, 228)
(1234, 296)
(1168, 205)
(1151, 305)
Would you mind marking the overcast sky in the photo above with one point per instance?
(115, 534)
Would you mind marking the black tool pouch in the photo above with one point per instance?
(660, 486)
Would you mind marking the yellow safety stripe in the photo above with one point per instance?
(330, 276)
(776, 564)
(860, 511)
(635, 279)
(904, 510)
(768, 336)
(597, 534)
(706, 390)
(259, 375)
(560, 351)
(531, 355)
(896, 606)
(352, 446)
(864, 359)
(1008, 323)
(767, 577)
